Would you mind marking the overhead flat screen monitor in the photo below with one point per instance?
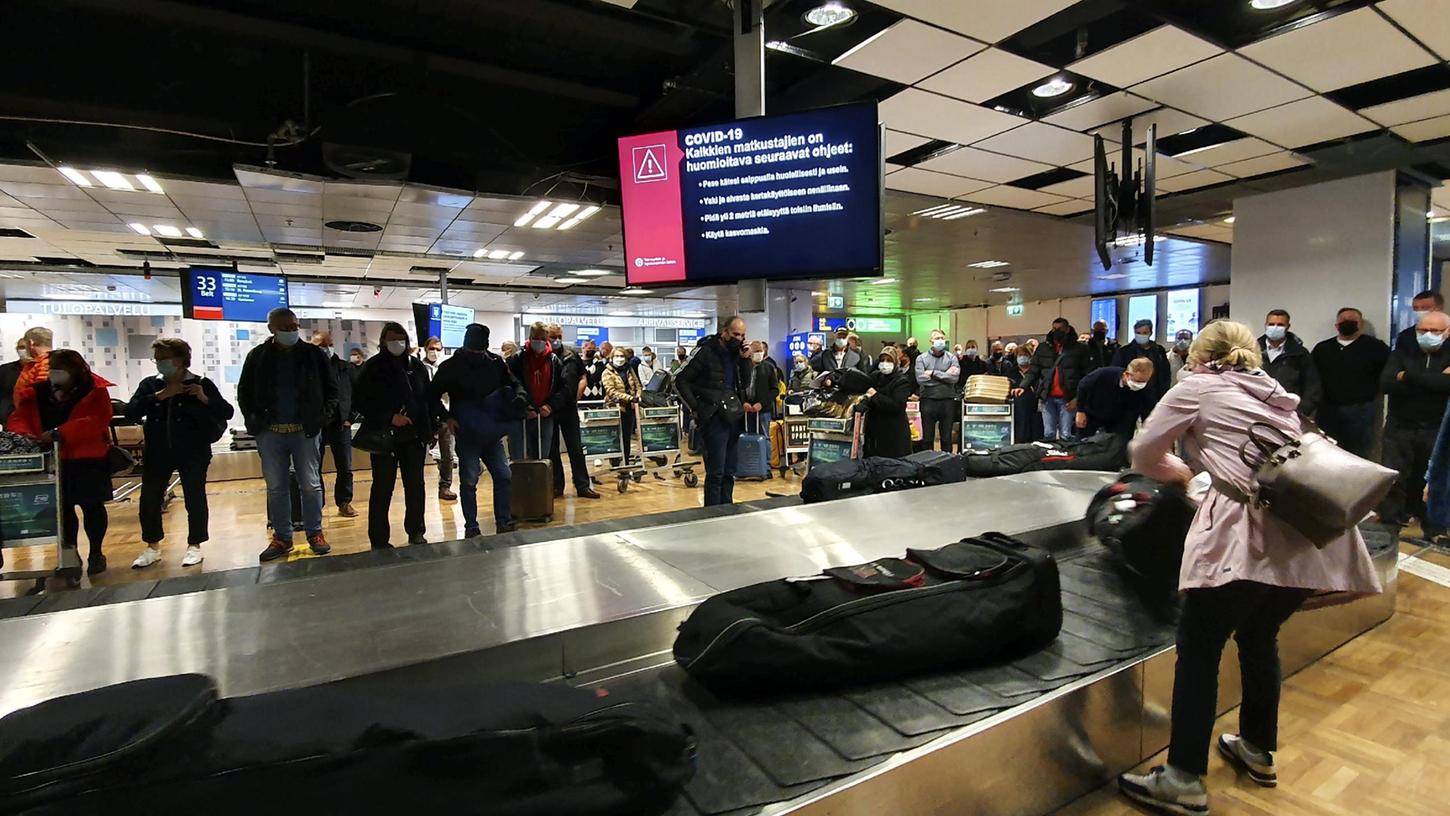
(440, 320)
(209, 293)
(790, 196)
(1144, 307)
(1106, 310)
(1182, 312)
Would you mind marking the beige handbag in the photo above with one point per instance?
(1310, 483)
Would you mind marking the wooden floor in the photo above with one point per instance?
(239, 522)
(1364, 731)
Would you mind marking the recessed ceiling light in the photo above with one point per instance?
(113, 180)
(149, 183)
(1004, 289)
(141, 229)
(479, 253)
(637, 291)
(76, 176)
(514, 256)
(167, 230)
(194, 232)
(559, 213)
(938, 208)
(832, 13)
(922, 300)
(1267, 5)
(818, 294)
(580, 216)
(571, 280)
(531, 214)
(1057, 86)
(1229, 220)
(883, 281)
(590, 273)
(988, 264)
(498, 254)
(961, 214)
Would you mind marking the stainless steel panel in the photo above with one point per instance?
(271, 636)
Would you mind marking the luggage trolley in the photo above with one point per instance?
(834, 439)
(30, 511)
(658, 434)
(986, 427)
(600, 434)
(797, 443)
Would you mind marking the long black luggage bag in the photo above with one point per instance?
(880, 474)
(1103, 451)
(981, 598)
(169, 745)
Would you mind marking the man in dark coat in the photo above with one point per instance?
(1058, 367)
(1286, 360)
(1144, 346)
(712, 387)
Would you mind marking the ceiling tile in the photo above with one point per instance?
(1188, 181)
(1426, 19)
(1040, 142)
(1108, 108)
(1308, 121)
(1413, 109)
(908, 51)
(1236, 150)
(1066, 208)
(1262, 164)
(1426, 130)
(981, 164)
(987, 20)
(1166, 48)
(1170, 122)
(893, 142)
(986, 75)
(912, 180)
(1344, 50)
(1007, 196)
(1080, 187)
(1222, 87)
(929, 114)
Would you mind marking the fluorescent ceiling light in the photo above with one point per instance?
(580, 216)
(832, 13)
(818, 294)
(149, 183)
(563, 210)
(141, 229)
(167, 230)
(479, 253)
(638, 291)
(194, 232)
(531, 214)
(620, 313)
(922, 300)
(571, 281)
(1229, 220)
(1197, 150)
(938, 208)
(988, 264)
(962, 214)
(113, 180)
(547, 222)
(1057, 86)
(76, 176)
(1113, 276)
(1004, 289)
(498, 254)
(514, 256)
(883, 281)
(590, 273)
(1266, 5)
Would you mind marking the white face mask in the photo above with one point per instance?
(886, 368)
(59, 377)
(433, 355)
(329, 351)
(23, 354)
(649, 358)
(619, 362)
(757, 356)
(801, 366)
(397, 347)
(1134, 385)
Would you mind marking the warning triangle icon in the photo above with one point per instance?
(649, 163)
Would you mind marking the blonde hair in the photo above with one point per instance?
(40, 336)
(1140, 365)
(1226, 344)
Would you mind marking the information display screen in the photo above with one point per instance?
(1182, 312)
(447, 323)
(1106, 310)
(208, 293)
(659, 436)
(754, 198)
(27, 513)
(1143, 307)
(601, 440)
(979, 434)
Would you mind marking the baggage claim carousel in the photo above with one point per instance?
(1024, 737)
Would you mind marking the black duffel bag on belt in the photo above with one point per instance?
(169, 745)
(980, 599)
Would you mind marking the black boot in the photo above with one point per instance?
(95, 562)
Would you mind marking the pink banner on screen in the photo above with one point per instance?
(649, 176)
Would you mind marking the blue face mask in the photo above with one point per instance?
(1275, 332)
(1143, 339)
(1430, 341)
(938, 345)
(1023, 360)
(166, 368)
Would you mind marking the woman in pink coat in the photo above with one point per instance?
(1244, 572)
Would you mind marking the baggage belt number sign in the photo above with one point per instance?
(27, 511)
(659, 436)
(600, 440)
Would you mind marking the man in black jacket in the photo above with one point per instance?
(1286, 360)
(566, 420)
(1058, 367)
(1113, 399)
(1143, 345)
(336, 432)
(1101, 349)
(485, 402)
(1417, 381)
(541, 372)
(9, 376)
(712, 386)
(286, 394)
(1349, 366)
(1424, 303)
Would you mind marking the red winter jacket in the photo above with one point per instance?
(86, 435)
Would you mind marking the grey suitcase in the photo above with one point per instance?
(533, 483)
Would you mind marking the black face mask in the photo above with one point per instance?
(1348, 328)
(734, 344)
(589, 354)
(1100, 334)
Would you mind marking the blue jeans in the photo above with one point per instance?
(475, 453)
(526, 435)
(721, 442)
(1057, 420)
(282, 454)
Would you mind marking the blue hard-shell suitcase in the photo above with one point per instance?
(753, 452)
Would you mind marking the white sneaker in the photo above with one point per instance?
(1258, 764)
(148, 556)
(193, 557)
(1160, 793)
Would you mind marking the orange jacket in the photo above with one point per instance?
(31, 373)
(86, 435)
